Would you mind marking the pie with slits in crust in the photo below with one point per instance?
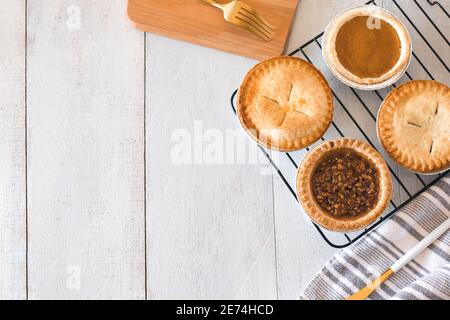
(414, 126)
(285, 103)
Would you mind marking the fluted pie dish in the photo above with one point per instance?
(343, 185)
(284, 103)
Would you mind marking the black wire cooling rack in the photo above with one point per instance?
(355, 111)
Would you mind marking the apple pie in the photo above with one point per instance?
(285, 103)
(414, 126)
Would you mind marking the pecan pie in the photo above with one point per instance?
(344, 185)
(414, 126)
(285, 103)
(367, 47)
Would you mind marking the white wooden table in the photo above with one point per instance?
(91, 203)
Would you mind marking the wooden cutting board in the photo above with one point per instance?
(200, 23)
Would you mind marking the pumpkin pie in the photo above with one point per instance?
(367, 47)
(344, 185)
(414, 126)
(285, 103)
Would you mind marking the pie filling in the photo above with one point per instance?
(368, 47)
(345, 184)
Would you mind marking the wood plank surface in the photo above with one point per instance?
(200, 23)
(91, 116)
(85, 151)
(12, 151)
(210, 232)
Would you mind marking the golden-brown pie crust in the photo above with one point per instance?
(309, 203)
(414, 126)
(285, 103)
(331, 56)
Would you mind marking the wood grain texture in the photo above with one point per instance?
(213, 230)
(85, 151)
(12, 151)
(209, 226)
(200, 23)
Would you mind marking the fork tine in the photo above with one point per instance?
(246, 24)
(254, 24)
(257, 16)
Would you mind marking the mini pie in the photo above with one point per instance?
(367, 46)
(344, 185)
(285, 103)
(414, 126)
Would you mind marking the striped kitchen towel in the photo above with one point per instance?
(426, 277)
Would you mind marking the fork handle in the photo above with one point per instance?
(214, 3)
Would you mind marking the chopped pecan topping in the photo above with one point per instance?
(345, 184)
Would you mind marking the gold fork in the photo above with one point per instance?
(244, 16)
